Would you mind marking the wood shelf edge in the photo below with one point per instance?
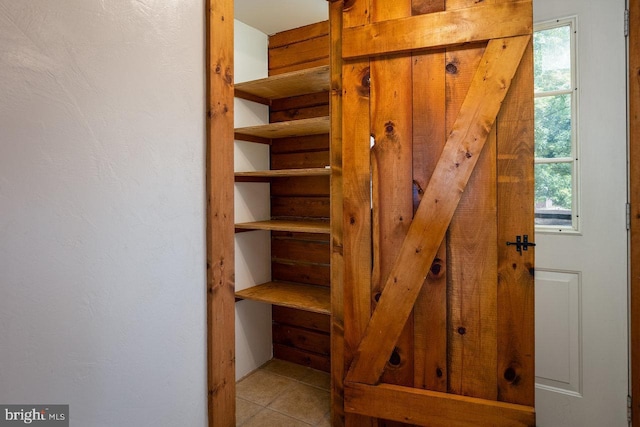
(266, 175)
(295, 83)
(295, 226)
(301, 296)
(290, 128)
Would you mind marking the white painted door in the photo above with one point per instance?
(581, 277)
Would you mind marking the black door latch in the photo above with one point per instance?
(521, 243)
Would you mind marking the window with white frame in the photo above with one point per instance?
(556, 167)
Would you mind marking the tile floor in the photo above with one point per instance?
(283, 394)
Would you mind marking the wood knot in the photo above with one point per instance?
(228, 76)
(511, 376)
(395, 360)
(364, 88)
(389, 127)
(366, 79)
(436, 267)
(348, 4)
(462, 330)
(451, 68)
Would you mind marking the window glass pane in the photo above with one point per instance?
(553, 126)
(552, 59)
(553, 193)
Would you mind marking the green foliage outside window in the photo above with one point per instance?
(553, 118)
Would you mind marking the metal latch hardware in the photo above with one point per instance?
(522, 243)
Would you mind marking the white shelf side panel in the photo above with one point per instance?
(252, 249)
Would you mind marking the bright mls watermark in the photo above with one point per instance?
(38, 415)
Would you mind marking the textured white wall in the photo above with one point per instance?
(102, 248)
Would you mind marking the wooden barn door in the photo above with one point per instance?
(437, 177)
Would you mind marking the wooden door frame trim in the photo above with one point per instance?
(221, 392)
(634, 200)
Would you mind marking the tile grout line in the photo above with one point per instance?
(294, 381)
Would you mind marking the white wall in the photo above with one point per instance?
(102, 247)
(252, 249)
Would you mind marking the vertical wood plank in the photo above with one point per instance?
(429, 137)
(356, 13)
(356, 210)
(356, 130)
(634, 184)
(391, 127)
(420, 7)
(462, 4)
(471, 255)
(337, 265)
(220, 229)
(473, 295)
(516, 272)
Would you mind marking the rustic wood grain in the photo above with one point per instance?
(302, 357)
(305, 159)
(296, 35)
(299, 48)
(437, 30)
(301, 144)
(356, 196)
(433, 409)
(391, 160)
(300, 206)
(301, 250)
(286, 225)
(516, 358)
(306, 52)
(220, 237)
(309, 80)
(312, 126)
(301, 318)
(302, 101)
(301, 338)
(269, 174)
(302, 185)
(294, 295)
(442, 195)
(429, 137)
(299, 113)
(312, 274)
(337, 264)
(472, 259)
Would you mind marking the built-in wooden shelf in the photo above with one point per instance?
(296, 83)
(268, 175)
(295, 226)
(302, 127)
(312, 298)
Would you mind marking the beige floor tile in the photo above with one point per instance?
(303, 402)
(287, 369)
(326, 421)
(262, 387)
(246, 410)
(318, 379)
(269, 418)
